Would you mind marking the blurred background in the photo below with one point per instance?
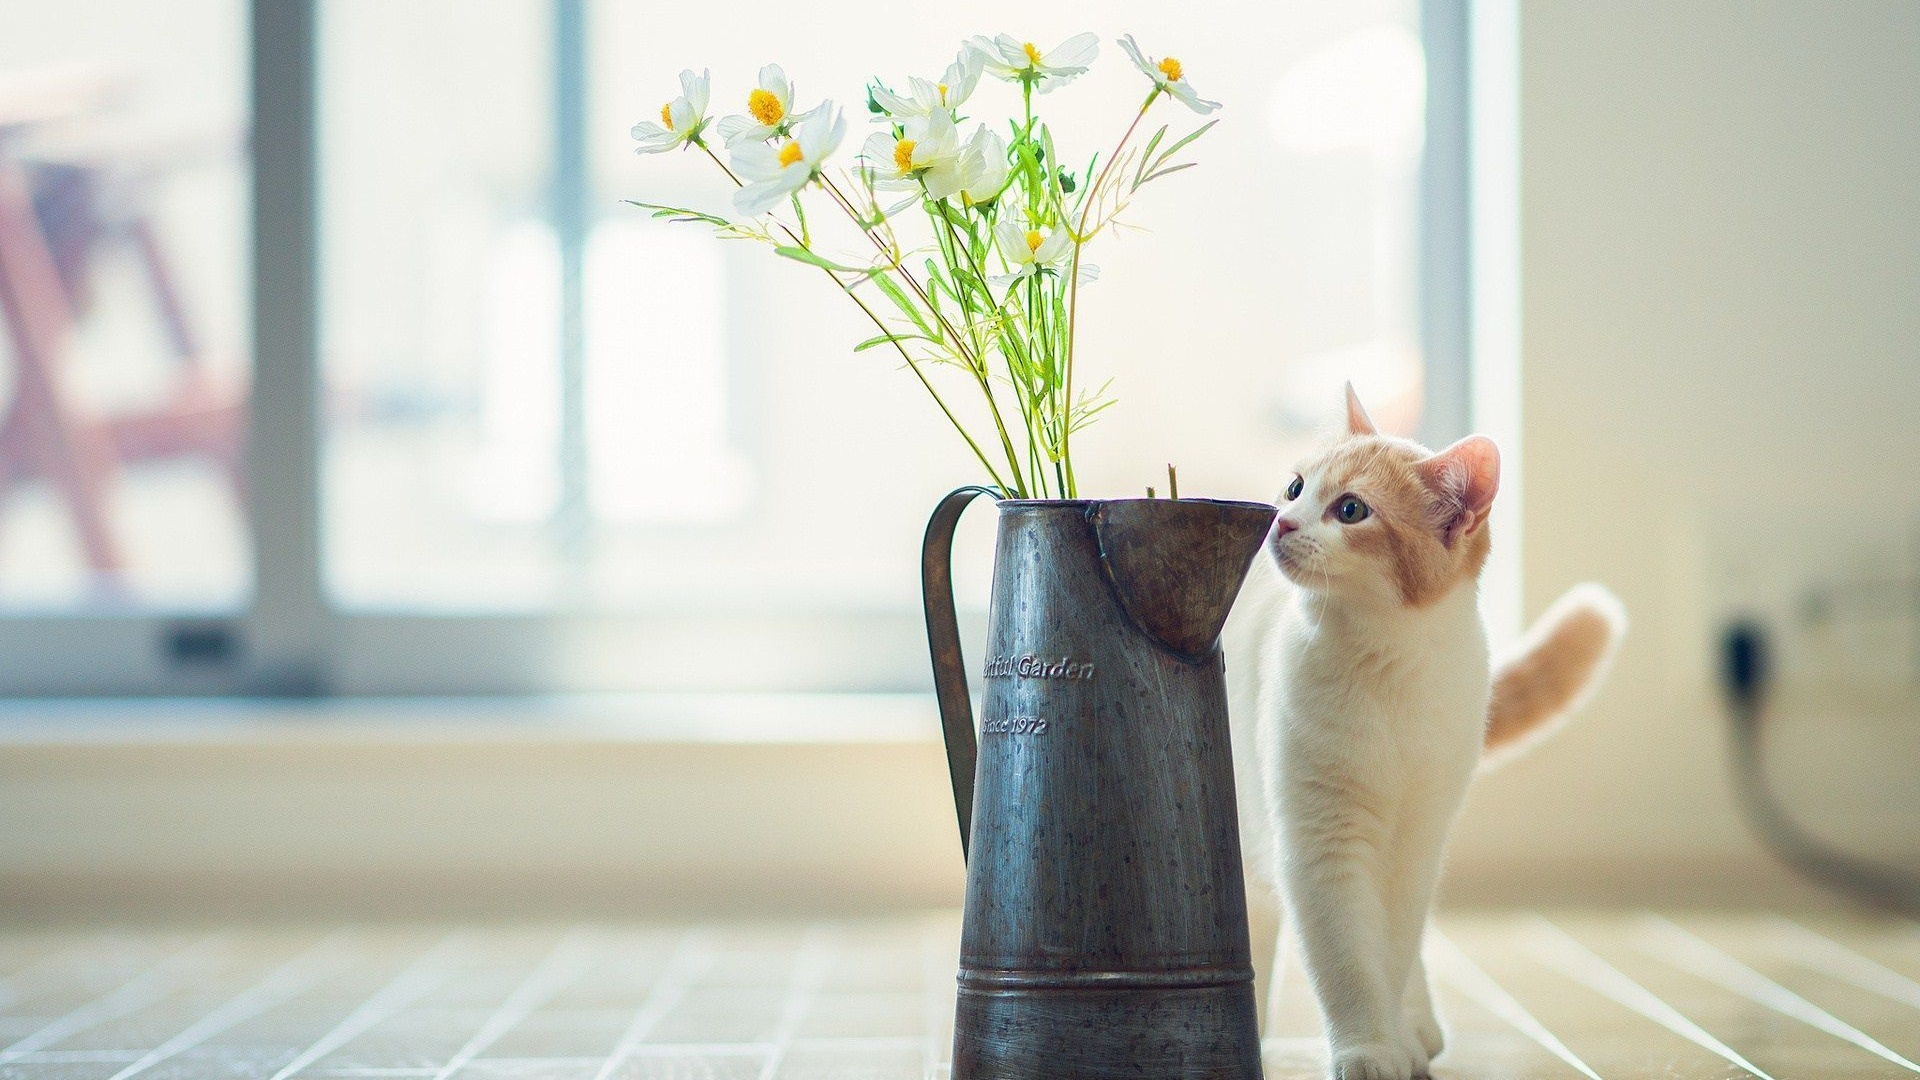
(392, 517)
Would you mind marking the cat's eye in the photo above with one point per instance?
(1350, 510)
(1294, 489)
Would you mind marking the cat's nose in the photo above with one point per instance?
(1281, 527)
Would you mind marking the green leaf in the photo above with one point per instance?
(887, 339)
(1148, 153)
(800, 254)
(904, 302)
(681, 213)
(1188, 138)
(1168, 171)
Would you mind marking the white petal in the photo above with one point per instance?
(774, 81)
(1012, 239)
(755, 160)
(653, 141)
(961, 77)
(1076, 52)
(695, 89)
(822, 132)
(1128, 46)
(1012, 51)
(990, 59)
(936, 137)
(759, 197)
(878, 149)
(1186, 95)
(1055, 247)
(735, 129)
(942, 180)
(893, 103)
(926, 95)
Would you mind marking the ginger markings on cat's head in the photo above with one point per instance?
(1383, 519)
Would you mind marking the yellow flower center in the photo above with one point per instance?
(903, 155)
(1034, 240)
(765, 107)
(1171, 69)
(666, 115)
(790, 154)
(1033, 54)
(943, 93)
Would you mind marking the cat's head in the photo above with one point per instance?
(1382, 519)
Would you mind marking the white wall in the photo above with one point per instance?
(1720, 342)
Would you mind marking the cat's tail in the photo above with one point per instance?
(1554, 669)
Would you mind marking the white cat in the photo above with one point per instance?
(1363, 701)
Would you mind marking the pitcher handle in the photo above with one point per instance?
(943, 643)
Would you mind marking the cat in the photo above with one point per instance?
(1363, 702)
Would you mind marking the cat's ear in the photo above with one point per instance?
(1464, 478)
(1358, 422)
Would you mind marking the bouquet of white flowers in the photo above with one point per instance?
(986, 280)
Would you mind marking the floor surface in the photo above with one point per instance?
(1526, 995)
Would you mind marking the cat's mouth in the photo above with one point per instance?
(1298, 561)
(1290, 557)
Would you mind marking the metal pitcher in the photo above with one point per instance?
(1105, 932)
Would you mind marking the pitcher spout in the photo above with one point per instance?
(1176, 566)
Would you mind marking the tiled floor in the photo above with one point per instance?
(1555, 995)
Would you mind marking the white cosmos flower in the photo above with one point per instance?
(1168, 75)
(1031, 251)
(681, 120)
(926, 151)
(769, 110)
(923, 97)
(771, 173)
(1009, 58)
(983, 167)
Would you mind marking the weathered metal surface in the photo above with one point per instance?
(1105, 932)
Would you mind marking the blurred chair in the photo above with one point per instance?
(60, 210)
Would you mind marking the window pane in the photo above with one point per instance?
(734, 454)
(123, 300)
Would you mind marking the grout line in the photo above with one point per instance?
(1829, 957)
(141, 990)
(560, 967)
(1467, 977)
(85, 1057)
(1666, 940)
(681, 968)
(1581, 964)
(419, 978)
(286, 981)
(810, 967)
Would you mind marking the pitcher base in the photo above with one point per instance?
(1081, 1033)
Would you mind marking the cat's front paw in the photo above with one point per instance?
(1426, 1031)
(1373, 1061)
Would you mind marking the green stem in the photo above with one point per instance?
(1073, 284)
(974, 363)
(901, 349)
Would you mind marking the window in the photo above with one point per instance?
(509, 434)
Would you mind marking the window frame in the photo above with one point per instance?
(291, 642)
